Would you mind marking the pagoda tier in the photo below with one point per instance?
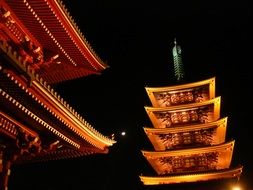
(186, 114)
(199, 159)
(212, 133)
(182, 94)
(192, 177)
(47, 39)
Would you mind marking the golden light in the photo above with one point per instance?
(236, 188)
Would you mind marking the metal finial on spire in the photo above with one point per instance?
(175, 41)
(178, 64)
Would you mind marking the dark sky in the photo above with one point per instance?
(135, 38)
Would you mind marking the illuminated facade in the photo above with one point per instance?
(40, 45)
(188, 135)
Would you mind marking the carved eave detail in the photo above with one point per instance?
(195, 177)
(221, 156)
(28, 147)
(24, 140)
(194, 113)
(163, 139)
(184, 91)
(52, 102)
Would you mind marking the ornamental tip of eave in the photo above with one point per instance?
(104, 64)
(108, 140)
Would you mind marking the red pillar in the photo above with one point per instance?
(5, 165)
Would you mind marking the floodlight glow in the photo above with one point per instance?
(236, 188)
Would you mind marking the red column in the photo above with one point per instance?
(5, 171)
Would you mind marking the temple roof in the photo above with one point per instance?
(212, 133)
(64, 52)
(192, 159)
(159, 95)
(192, 177)
(202, 112)
(30, 104)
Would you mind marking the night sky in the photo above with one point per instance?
(135, 38)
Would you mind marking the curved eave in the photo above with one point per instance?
(181, 88)
(19, 107)
(220, 127)
(45, 95)
(190, 151)
(224, 156)
(78, 38)
(202, 176)
(73, 120)
(152, 111)
(183, 107)
(58, 155)
(159, 131)
(210, 82)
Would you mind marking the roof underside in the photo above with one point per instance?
(50, 27)
(39, 109)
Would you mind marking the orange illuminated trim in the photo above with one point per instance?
(178, 88)
(224, 151)
(76, 37)
(222, 174)
(217, 123)
(37, 119)
(216, 115)
(226, 146)
(54, 103)
(219, 137)
(83, 129)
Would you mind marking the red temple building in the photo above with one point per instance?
(188, 135)
(40, 45)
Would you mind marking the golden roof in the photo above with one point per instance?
(162, 96)
(193, 177)
(201, 112)
(163, 139)
(199, 159)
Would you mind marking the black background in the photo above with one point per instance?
(135, 38)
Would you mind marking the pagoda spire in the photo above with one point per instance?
(178, 64)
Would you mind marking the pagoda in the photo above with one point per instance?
(188, 134)
(40, 45)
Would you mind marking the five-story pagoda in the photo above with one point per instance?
(188, 134)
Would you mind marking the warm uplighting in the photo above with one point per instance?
(236, 188)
